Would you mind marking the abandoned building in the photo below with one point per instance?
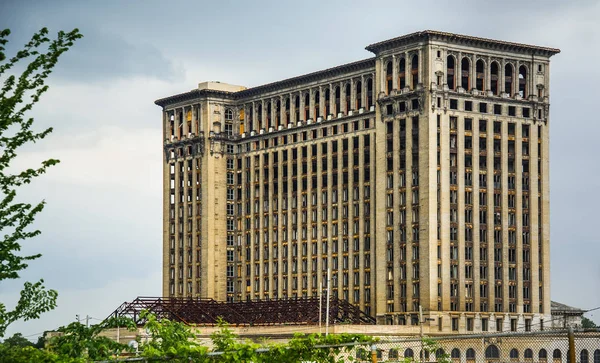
(418, 177)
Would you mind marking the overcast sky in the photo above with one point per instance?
(101, 229)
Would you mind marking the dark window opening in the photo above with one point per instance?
(494, 78)
(465, 74)
(450, 80)
(497, 109)
(508, 79)
(526, 112)
(523, 81)
(414, 71)
(512, 111)
(402, 74)
(468, 105)
(480, 75)
(483, 107)
(453, 104)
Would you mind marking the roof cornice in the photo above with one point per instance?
(192, 95)
(460, 39)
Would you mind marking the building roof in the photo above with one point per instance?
(274, 86)
(459, 38)
(556, 307)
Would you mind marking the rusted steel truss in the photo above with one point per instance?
(256, 312)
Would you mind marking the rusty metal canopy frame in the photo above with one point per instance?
(300, 311)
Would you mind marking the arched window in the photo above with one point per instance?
(450, 74)
(287, 111)
(508, 79)
(251, 118)
(297, 108)
(180, 123)
(358, 95)
(426, 358)
(523, 81)
(465, 81)
(439, 353)
(338, 107)
(528, 355)
(557, 355)
(260, 114)
(597, 356)
(393, 354)
(389, 76)
(362, 354)
(514, 355)
(494, 78)
(306, 106)
(414, 71)
(408, 353)
(543, 356)
(327, 102)
(317, 99)
(492, 352)
(479, 75)
(402, 74)
(584, 356)
(369, 93)
(470, 355)
(277, 113)
(455, 355)
(228, 115)
(347, 94)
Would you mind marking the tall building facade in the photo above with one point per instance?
(419, 177)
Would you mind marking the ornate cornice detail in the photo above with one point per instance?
(460, 40)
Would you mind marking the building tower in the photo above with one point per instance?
(419, 177)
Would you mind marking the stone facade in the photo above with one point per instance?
(419, 177)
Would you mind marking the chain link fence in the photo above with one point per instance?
(542, 347)
(529, 347)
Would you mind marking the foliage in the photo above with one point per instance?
(170, 339)
(78, 340)
(17, 96)
(587, 323)
(173, 340)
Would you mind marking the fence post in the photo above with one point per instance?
(373, 353)
(571, 345)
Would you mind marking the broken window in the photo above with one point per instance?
(508, 79)
(389, 77)
(483, 107)
(306, 106)
(337, 96)
(465, 74)
(268, 124)
(347, 94)
(494, 78)
(414, 71)
(497, 109)
(402, 74)
(358, 95)
(259, 115)
(468, 105)
(450, 65)
(277, 113)
(287, 111)
(523, 81)
(327, 102)
(480, 75)
(317, 99)
(297, 108)
(369, 93)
